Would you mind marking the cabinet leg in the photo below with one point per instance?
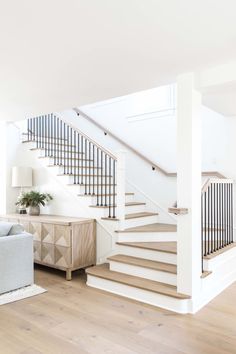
(68, 274)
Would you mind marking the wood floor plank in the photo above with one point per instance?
(73, 318)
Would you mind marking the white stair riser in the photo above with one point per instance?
(60, 155)
(147, 254)
(148, 297)
(147, 273)
(103, 212)
(140, 221)
(50, 161)
(79, 169)
(147, 236)
(84, 179)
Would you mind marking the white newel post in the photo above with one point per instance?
(120, 200)
(189, 185)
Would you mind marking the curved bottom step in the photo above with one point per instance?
(136, 288)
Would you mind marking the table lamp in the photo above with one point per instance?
(21, 178)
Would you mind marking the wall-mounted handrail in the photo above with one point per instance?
(139, 154)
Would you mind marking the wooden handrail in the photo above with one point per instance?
(153, 164)
(109, 153)
(215, 181)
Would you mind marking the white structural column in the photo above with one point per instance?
(189, 185)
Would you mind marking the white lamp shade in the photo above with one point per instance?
(21, 176)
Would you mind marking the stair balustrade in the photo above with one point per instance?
(216, 215)
(89, 164)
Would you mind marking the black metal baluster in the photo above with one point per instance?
(106, 179)
(64, 142)
(93, 172)
(208, 220)
(82, 152)
(73, 153)
(86, 157)
(205, 221)
(231, 213)
(109, 187)
(75, 148)
(97, 177)
(114, 189)
(78, 138)
(89, 169)
(101, 179)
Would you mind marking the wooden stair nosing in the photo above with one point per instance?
(91, 185)
(82, 175)
(66, 158)
(77, 167)
(144, 263)
(53, 143)
(165, 247)
(139, 215)
(56, 150)
(102, 271)
(157, 227)
(134, 216)
(126, 204)
(99, 195)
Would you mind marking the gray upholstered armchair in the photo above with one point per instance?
(16, 257)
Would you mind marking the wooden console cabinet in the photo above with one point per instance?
(60, 242)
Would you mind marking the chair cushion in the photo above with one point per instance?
(5, 228)
(9, 228)
(16, 229)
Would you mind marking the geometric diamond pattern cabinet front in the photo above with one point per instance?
(60, 242)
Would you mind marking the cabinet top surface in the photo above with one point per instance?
(53, 219)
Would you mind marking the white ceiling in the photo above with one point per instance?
(57, 54)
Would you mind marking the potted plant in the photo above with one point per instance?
(32, 201)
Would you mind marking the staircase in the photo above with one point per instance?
(142, 265)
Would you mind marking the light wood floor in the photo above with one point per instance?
(72, 318)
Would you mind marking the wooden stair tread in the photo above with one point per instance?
(91, 185)
(145, 263)
(77, 167)
(85, 175)
(133, 216)
(49, 142)
(102, 271)
(222, 250)
(157, 227)
(99, 195)
(57, 150)
(126, 204)
(139, 215)
(167, 247)
(66, 158)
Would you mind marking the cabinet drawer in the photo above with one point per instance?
(35, 230)
(62, 256)
(47, 253)
(37, 251)
(62, 235)
(47, 233)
